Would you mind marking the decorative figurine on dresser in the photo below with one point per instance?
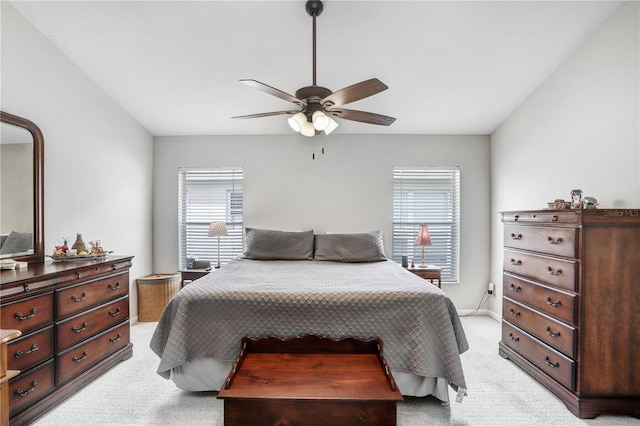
(72, 313)
(571, 303)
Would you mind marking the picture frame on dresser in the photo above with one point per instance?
(566, 274)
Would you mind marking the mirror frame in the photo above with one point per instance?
(38, 185)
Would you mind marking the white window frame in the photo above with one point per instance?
(205, 196)
(430, 196)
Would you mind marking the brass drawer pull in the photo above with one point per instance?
(553, 272)
(115, 339)
(516, 262)
(516, 236)
(20, 317)
(116, 313)
(555, 241)
(34, 348)
(550, 303)
(514, 338)
(554, 218)
(79, 330)
(551, 364)
(20, 392)
(82, 358)
(114, 287)
(79, 299)
(514, 288)
(514, 313)
(552, 334)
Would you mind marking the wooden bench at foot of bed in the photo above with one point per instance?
(310, 380)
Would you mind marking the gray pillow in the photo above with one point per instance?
(264, 244)
(17, 242)
(350, 247)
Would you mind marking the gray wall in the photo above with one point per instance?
(98, 160)
(348, 189)
(580, 129)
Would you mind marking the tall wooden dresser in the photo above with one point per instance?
(571, 305)
(74, 319)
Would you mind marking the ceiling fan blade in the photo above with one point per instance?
(362, 116)
(355, 92)
(273, 91)
(265, 114)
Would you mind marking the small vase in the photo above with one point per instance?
(79, 245)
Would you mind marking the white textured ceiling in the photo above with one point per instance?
(451, 67)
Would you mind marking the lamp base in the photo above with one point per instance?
(422, 265)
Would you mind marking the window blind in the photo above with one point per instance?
(430, 196)
(207, 196)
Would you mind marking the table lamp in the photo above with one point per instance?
(423, 239)
(218, 229)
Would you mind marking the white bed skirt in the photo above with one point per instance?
(209, 375)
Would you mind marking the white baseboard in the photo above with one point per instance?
(482, 312)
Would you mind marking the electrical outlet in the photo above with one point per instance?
(491, 288)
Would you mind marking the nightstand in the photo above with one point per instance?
(189, 275)
(431, 273)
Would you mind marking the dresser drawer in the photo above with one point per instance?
(540, 216)
(29, 314)
(89, 272)
(29, 387)
(79, 358)
(72, 300)
(548, 270)
(29, 351)
(556, 334)
(83, 326)
(556, 241)
(552, 362)
(556, 303)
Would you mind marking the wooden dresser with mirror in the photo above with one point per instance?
(73, 316)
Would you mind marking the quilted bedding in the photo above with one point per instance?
(417, 322)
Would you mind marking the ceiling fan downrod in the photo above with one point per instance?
(314, 9)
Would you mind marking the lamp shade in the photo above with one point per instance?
(307, 129)
(424, 239)
(218, 229)
(297, 121)
(331, 126)
(320, 120)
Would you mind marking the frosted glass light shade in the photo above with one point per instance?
(297, 121)
(307, 129)
(331, 126)
(320, 120)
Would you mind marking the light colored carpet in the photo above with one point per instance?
(499, 393)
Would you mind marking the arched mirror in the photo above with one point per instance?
(21, 184)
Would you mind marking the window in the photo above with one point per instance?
(430, 196)
(207, 196)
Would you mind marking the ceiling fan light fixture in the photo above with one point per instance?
(320, 120)
(331, 126)
(297, 121)
(307, 129)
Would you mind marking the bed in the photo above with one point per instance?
(342, 286)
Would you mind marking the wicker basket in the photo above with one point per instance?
(154, 292)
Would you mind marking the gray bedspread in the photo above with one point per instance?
(417, 322)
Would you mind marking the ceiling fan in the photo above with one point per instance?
(319, 104)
